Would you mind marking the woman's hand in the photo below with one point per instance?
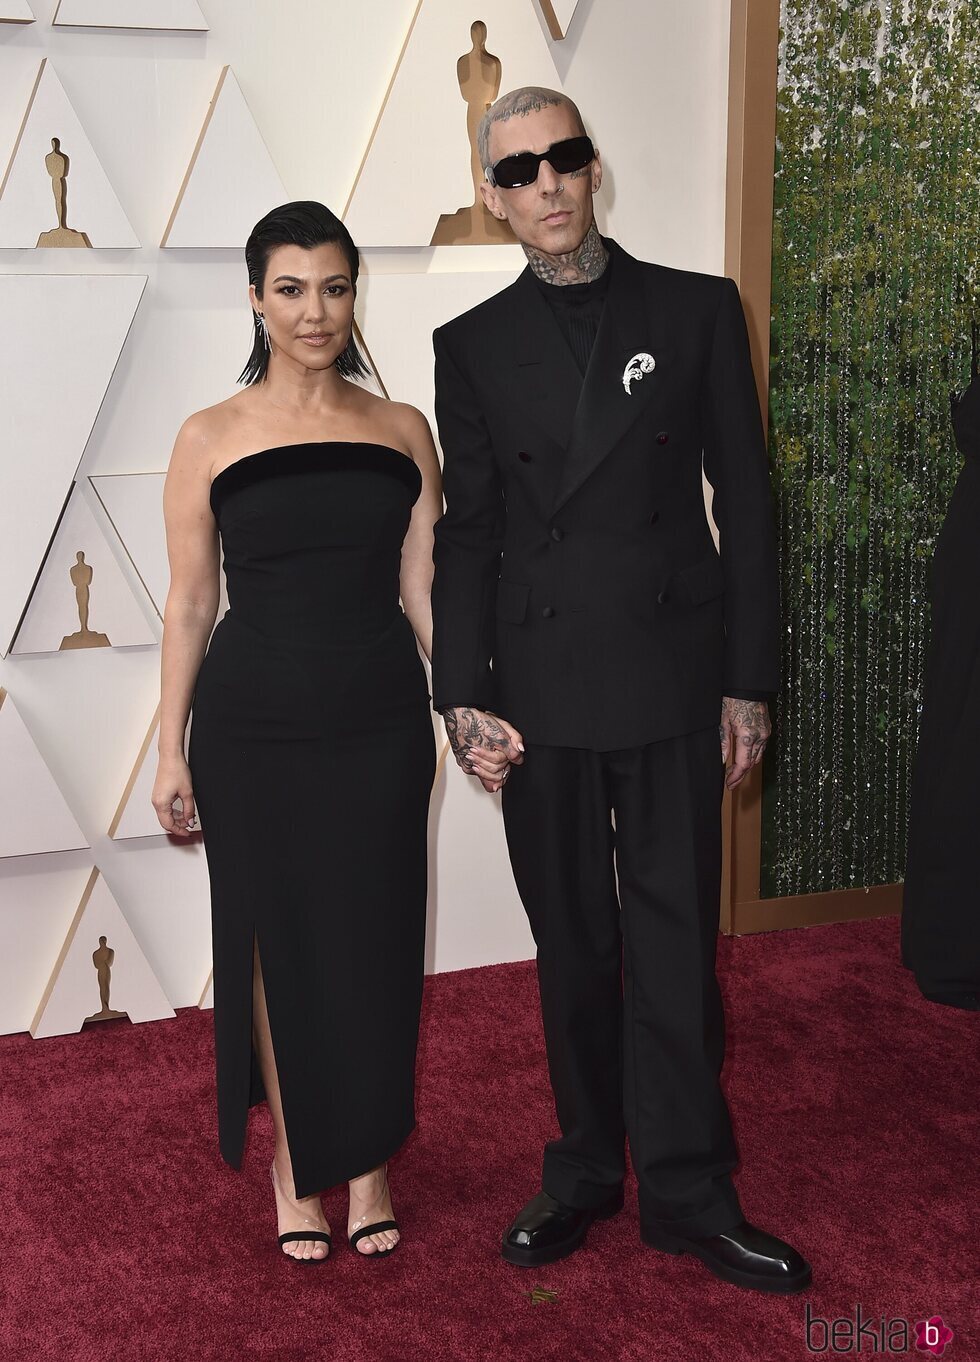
(174, 782)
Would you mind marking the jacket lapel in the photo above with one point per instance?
(605, 410)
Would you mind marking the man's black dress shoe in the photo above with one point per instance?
(744, 1255)
(546, 1229)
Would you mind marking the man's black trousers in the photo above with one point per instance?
(632, 1012)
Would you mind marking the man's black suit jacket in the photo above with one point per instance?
(577, 589)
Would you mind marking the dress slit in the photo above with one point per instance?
(257, 1088)
(256, 1082)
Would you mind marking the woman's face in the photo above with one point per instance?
(308, 302)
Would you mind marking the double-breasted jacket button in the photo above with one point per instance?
(548, 612)
(662, 438)
(654, 517)
(662, 598)
(557, 533)
(524, 456)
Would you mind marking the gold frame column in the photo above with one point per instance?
(752, 75)
(752, 90)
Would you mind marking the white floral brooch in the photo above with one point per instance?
(638, 366)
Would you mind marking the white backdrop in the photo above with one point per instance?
(651, 78)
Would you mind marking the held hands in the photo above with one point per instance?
(744, 731)
(174, 782)
(484, 745)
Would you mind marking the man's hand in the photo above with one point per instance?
(484, 745)
(745, 730)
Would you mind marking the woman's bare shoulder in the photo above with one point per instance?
(408, 424)
(201, 436)
(395, 423)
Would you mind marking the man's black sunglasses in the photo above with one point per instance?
(513, 172)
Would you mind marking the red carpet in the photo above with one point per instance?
(854, 1102)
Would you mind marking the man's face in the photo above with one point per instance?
(543, 215)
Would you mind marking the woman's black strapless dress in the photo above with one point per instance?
(941, 912)
(313, 755)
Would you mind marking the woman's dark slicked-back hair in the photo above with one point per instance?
(308, 224)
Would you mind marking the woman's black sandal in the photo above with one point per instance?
(367, 1230)
(318, 1236)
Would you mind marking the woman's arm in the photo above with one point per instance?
(416, 569)
(490, 764)
(189, 614)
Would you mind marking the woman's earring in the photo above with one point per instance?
(264, 328)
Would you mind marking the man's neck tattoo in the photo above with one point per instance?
(580, 266)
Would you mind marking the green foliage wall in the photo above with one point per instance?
(875, 283)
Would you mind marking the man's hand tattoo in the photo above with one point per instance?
(469, 728)
(750, 727)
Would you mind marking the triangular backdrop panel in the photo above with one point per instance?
(37, 902)
(28, 206)
(75, 992)
(374, 381)
(68, 584)
(558, 14)
(231, 181)
(33, 814)
(167, 14)
(134, 504)
(52, 383)
(16, 12)
(207, 997)
(135, 815)
(393, 202)
(494, 925)
(401, 311)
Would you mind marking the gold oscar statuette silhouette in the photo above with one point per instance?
(478, 72)
(84, 637)
(102, 960)
(56, 164)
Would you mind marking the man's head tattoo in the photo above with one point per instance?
(518, 104)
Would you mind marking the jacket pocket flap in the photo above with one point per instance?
(702, 581)
(512, 601)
